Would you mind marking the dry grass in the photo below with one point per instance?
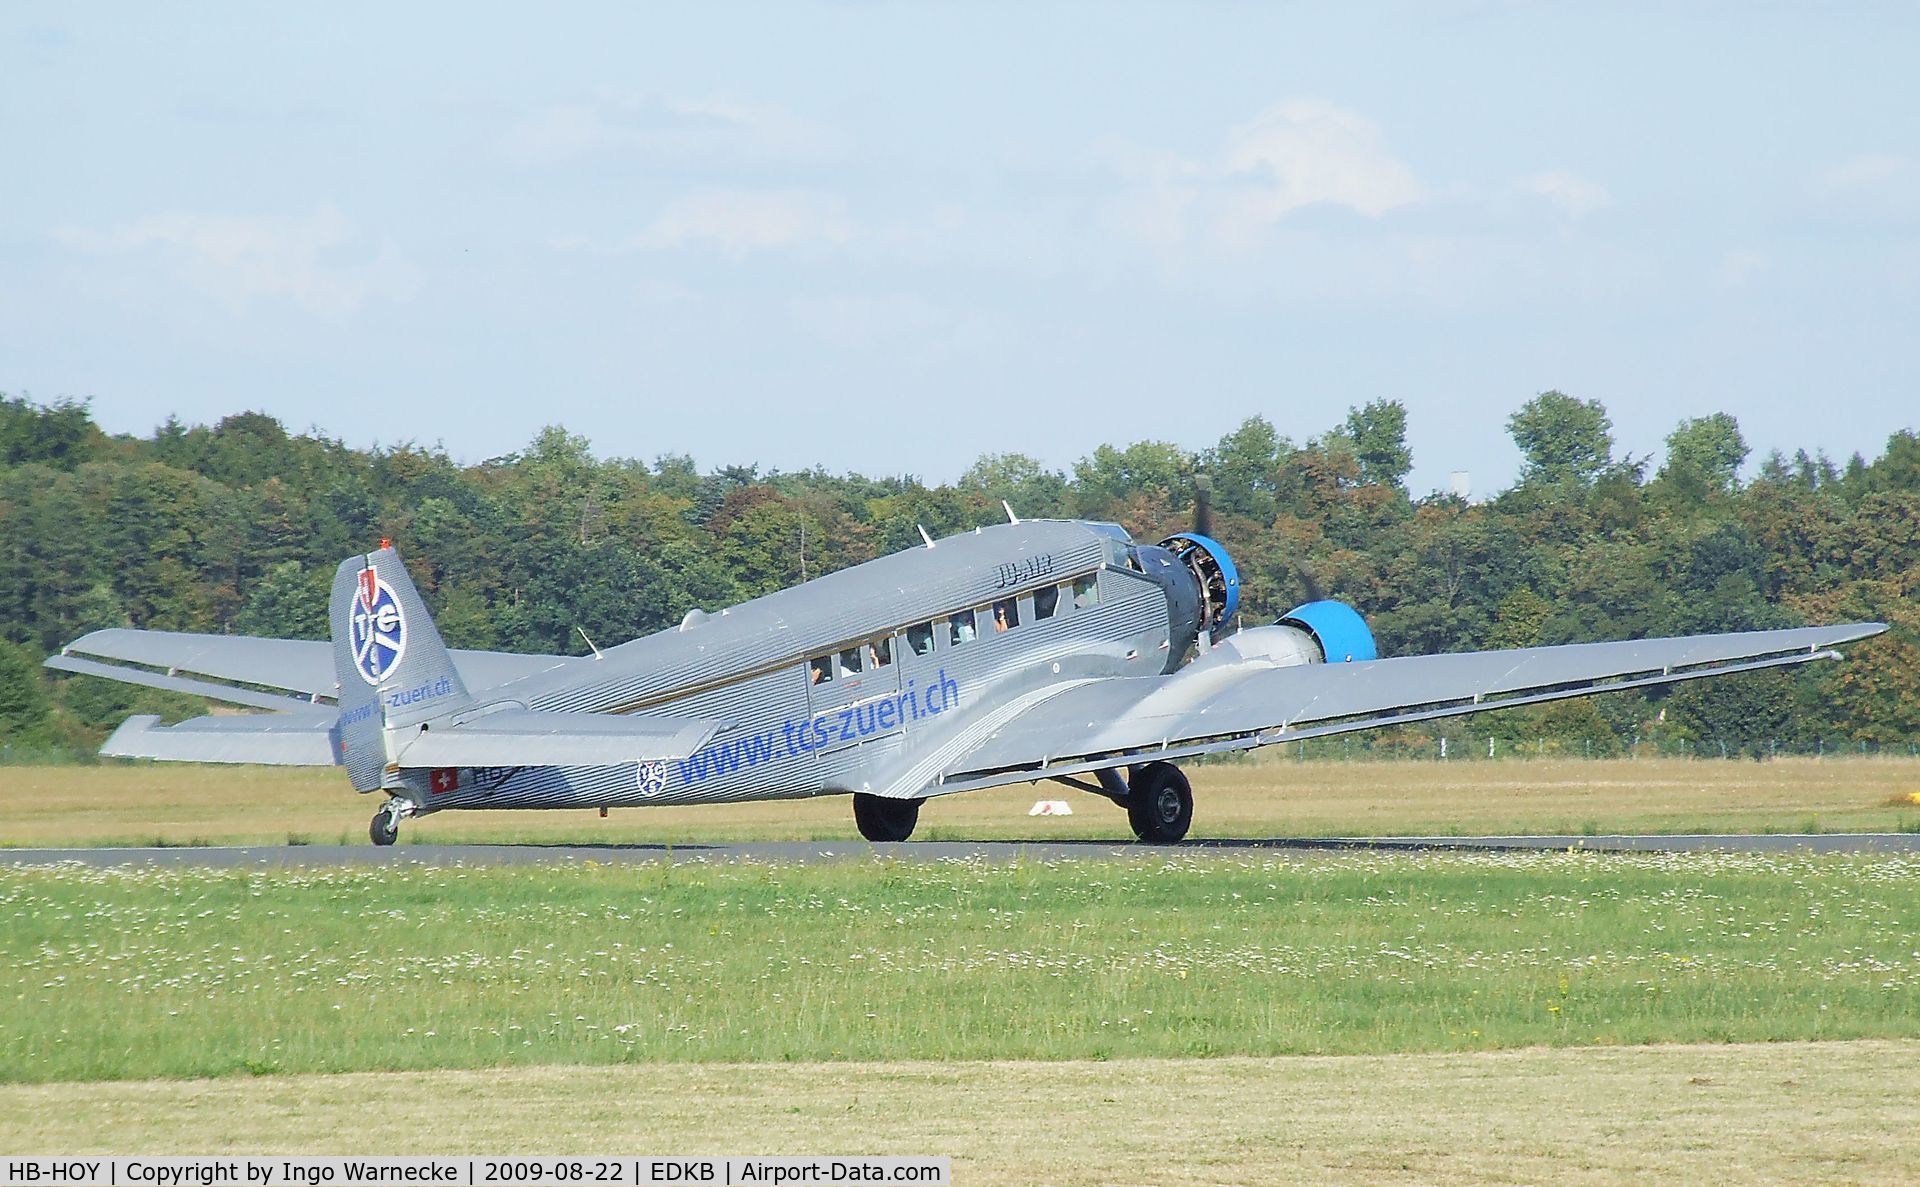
(176, 805)
(1782, 1112)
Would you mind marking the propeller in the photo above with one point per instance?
(1209, 562)
(1316, 592)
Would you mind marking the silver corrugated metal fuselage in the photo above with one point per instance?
(887, 730)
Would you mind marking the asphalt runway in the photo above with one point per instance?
(806, 852)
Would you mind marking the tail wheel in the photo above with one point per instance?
(884, 819)
(1159, 803)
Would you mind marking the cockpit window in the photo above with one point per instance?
(820, 670)
(960, 627)
(1045, 600)
(879, 653)
(850, 661)
(1086, 592)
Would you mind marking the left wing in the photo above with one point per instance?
(1225, 702)
(249, 670)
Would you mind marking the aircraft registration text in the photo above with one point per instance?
(1011, 573)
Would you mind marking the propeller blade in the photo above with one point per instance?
(1315, 591)
(1202, 505)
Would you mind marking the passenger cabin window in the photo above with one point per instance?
(820, 670)
(1086, 592)
(1006, 615)
(879, 653)
(850, 661)
(920, 639)
(1045, 600)
(960, 628)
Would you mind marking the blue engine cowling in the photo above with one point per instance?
(1343, 636)
(1213, 569)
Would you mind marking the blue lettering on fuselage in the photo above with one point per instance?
(822, 731)
(419, 693)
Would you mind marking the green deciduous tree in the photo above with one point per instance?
(24, 707)
(1378, 435)
(1562, 439)
(1706, 453)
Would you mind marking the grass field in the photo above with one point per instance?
(131, 973)
(1775, 1112)
(1362, 1016)
(175, 805)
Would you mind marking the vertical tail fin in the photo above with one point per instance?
(391, 665)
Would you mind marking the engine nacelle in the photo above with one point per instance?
(1336, 628)
(1213, 572)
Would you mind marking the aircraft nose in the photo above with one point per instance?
(1214, 569)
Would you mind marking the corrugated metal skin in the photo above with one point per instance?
(977, 684)
(840, 607)
(1209, 700)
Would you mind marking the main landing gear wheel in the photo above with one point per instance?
(1159, 803)
(385, 829)
(884, 819)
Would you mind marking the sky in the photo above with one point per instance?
(889, 239)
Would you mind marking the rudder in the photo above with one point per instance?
(392, 668)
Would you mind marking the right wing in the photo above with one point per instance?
(1226, 702)
(252, 671)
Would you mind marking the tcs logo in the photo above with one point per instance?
(377, 629)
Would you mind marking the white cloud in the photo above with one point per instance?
(1574, 195)
(315, 261)
(741, 221)
(1307, 152)
(1297, 155)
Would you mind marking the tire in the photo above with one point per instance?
(383, 830)
(1159, 803)
(883, 819)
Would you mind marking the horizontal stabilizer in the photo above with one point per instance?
(533, 738)
(281, 740)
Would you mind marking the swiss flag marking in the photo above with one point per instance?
(443, 780)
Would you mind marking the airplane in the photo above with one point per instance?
(1018, 652)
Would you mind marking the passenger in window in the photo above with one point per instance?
(820, 671)
(960, 627)
(879, 653)
(1045, 600)
(850, 661)
(1006, 615)
(920, 638)
(1086, 592)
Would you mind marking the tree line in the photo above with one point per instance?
(237, 527)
